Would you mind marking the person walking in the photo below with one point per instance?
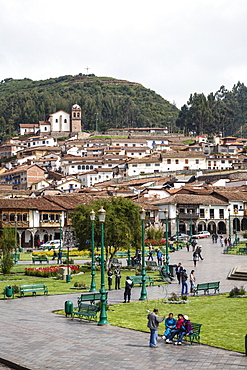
(213, 238)
(192, 281)
(193, 243)
(216, 237)
(184, 278)
(159, 257)
(117, 274)
(128, 287)
(153, 325)
(59, 256)
(195, 257)
(179, 270)
(221, 241)
(150, 253)
(110, 273)
(199, 250)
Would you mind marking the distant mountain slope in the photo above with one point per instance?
(114, 103)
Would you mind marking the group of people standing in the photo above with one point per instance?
(128, 283)
(180, 327)
(182, 277)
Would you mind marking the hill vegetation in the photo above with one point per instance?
(112, 102)
(221, 112)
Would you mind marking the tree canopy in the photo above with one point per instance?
(122, 225)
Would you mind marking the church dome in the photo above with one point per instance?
(76, 106)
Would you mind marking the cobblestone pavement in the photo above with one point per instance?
(35, 338)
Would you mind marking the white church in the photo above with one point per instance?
(57, 122)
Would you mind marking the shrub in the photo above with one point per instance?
(235, 292)
(15, 289)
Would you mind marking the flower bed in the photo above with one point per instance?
(49, 271)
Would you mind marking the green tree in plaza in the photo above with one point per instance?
(7, 243)
(155, 234)
(122, 225)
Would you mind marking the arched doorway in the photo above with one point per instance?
(201, 226)
(221, 227)
(236, 224)
(27, 239)
(244, 224)
(182, 227)
(212, 227)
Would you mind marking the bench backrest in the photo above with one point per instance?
(196, 327)
(214, 284)
(32, 286)
(90, 297)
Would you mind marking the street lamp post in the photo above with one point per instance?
(167, 244)
(93, 285)
(16, 257)
(236, 224)
(60, 233)
(229, 222)
(177, 226)
(190, 226)
(68, 240)
(103, 315)
(143, 295)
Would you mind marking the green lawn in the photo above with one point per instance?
(223, 319)
(59, 286)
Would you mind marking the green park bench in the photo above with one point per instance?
(90, 297)
(115, 262)
(121, 254)
(227, 249)
(242, 251)
(88, 311)
(40, 259)
(152, 264)
(195, 335)
(207, 286)
(33, 288)
(138, 280)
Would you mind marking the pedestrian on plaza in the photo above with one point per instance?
(195, 257)
(128, 287)
(199, 250)
(221, 240)
(184, 278)
(59, 256)
(229, 241)
(109, 274)
(213, 238)
(54, 255)
(192, 281)
(179, 269)
(188, 246)
(193, 243)
(117, 274)
(153, 325)
(216, 237)
(159, 257)
(150, 253)
(225, 242)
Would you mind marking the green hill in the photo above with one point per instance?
(116, 103)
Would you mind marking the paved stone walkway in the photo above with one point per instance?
(35, 338)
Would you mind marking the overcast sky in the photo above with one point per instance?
(172, 47)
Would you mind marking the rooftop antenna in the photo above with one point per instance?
(87, 68)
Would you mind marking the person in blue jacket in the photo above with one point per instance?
(170, 324)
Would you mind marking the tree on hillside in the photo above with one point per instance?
(122, 225)
(7, 243)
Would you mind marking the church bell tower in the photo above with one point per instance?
(75, 118)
